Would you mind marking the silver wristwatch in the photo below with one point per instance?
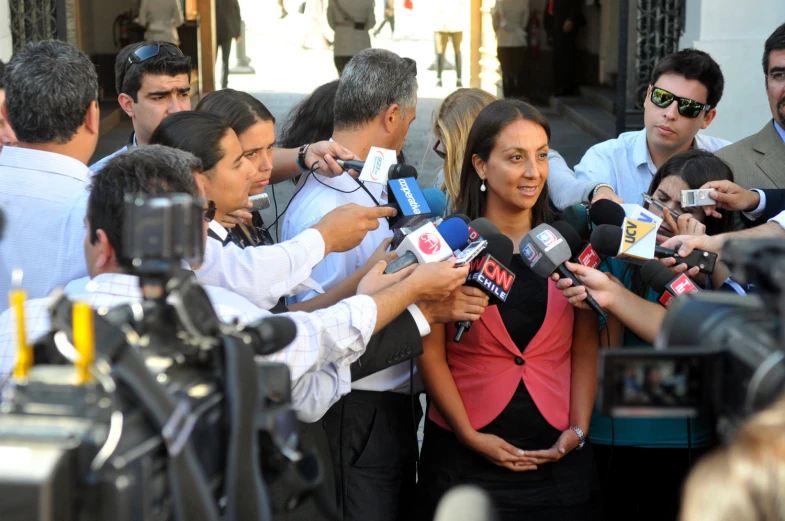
(597, 188)
(581, 437)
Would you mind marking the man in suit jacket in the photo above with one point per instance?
(758, 161)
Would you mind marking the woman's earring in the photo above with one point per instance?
(482, 186)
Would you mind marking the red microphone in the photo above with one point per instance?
(660, 278)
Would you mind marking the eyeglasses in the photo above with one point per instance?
(687, 107)
(439, 153)
(411, 65)
(151, 50)
(209, 212)
(776, 76)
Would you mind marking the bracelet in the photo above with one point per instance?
(301, 158)
(597, 188)
(581, 437)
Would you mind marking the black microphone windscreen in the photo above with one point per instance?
(274, 333)
(570, 235)
(484, 227)
(606, 239)
(606, 211)
(401, 171)
(656, 275)
(500, 247)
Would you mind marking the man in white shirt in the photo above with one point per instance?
(682, 99)
(52, 104)
(374, 106)
(329, 339)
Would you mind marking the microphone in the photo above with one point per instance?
(396, 171)
(408, 199)
(430, 243)
(466, 503)
(607, 240)
(490, 274)
(436, 201)
(480, 228)
(661, 280)
(544, 250)
(586, 255)
(270, 334)
(578, 216)
(606, 211)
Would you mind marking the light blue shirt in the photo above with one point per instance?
(624, 163)
(780, 131)
(44, 197)
(98, 165)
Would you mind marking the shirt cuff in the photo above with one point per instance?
(344, 381)
(757, 212)
(314, 244)
(779, 219)
(419, 319)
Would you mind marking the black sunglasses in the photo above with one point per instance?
(209, 212)
(411, 65)
(687, 107)
(151, 50)
(439, 153)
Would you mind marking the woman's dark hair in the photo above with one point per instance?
(489, 124)
(239, 109)
(199, 133)
(310, 120)
(696, 168)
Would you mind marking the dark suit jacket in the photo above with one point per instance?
(563, 10)
(757, 161)
(227, 20)
(396, 343)
(775, 203)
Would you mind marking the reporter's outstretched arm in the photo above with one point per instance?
(322, 154)
(685, 244)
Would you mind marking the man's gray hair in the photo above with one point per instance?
(49, 86)
(371, 82)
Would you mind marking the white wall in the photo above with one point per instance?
(733, 33)
(6, 43)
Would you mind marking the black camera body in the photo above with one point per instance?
(716, 353)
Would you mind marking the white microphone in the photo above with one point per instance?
(430, 244)
(466, 503)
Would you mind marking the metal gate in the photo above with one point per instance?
(35, 20)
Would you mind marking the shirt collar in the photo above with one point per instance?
(640, 152)
(219, 230)
(118, 284)
(43, 161)
(780, 130)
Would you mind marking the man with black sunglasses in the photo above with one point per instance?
(681, 100)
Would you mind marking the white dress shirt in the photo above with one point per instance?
(44, 198)
(624, 163)
(262, 274)
(311, 203)
(327, 340)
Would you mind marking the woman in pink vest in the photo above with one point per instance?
(510, 404)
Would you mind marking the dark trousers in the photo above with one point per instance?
(373, 443)
(226, 49)
(511, 60)
(565, 57)
(340, 63)
(387, 19)
(642, 484)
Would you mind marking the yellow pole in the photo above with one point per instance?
(84, 341)
(24, 359)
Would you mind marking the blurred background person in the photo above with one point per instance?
(510, 20)
(448, 26)
(745, 480)
(350, 20)
(228, 27)
(314, 10)
(454, 120)
(161, 18)
(562, 20)
(389, 17)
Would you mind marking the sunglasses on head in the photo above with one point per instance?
(440, 153)
(209, 212)
(151, 50)
(411, 65)
(687, 107)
